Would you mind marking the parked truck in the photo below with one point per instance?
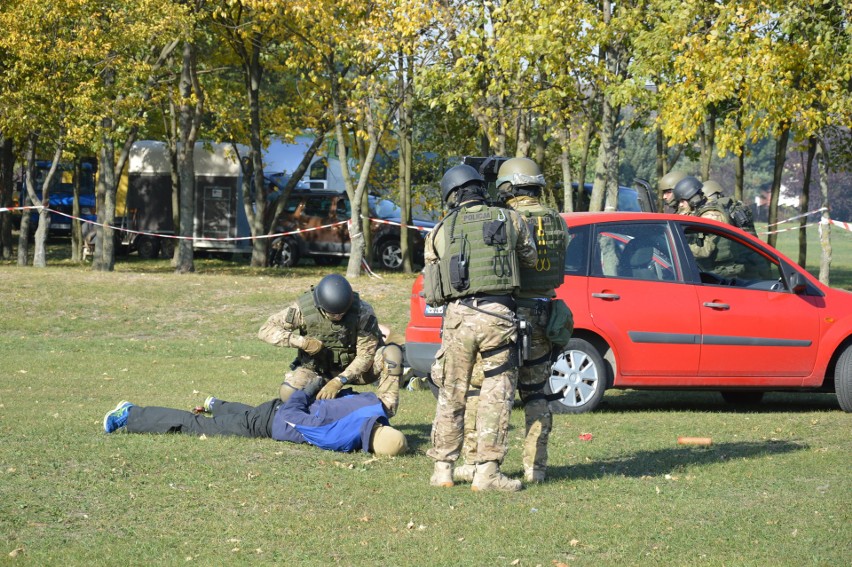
(144, 212)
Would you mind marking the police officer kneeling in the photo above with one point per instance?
(339, 342)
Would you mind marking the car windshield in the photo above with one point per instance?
(384, 208)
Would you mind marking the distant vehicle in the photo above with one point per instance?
(649, 314)
(61, 196)
(144, 201)
(314, 208)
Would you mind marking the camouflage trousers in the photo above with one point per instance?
(387, 391)
(531, 381)
(467, 334)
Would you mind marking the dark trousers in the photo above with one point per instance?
(229, 418)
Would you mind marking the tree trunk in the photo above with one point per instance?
(356, 235)
(780, 157)
(825, 225)
(190, 116)
(564, 136)
(76, 228)
(171, 127)
(603, 195)
(404, 169)
(7, 165)
(254, 72)
(40, 251)
(586, 148)
(739, 174)
(708, 142)
(103, 258)
(612, 162)
(806, 203)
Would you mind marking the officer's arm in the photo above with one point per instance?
(282, 328)
(430, 256)
(366, 345)
(525, 247)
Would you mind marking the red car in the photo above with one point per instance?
(678, 302)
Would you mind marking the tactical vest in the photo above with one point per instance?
(735, 213)
(339, 338)
(546, 226)
(478, 253)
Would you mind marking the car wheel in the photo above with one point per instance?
(390, 255)
(283, 253)
(328, 260)
(741, 398)
(580, 374)
(167, 248)
(843, 380)
(147, 247)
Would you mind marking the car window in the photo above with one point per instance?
(628, 200)
(344, 211)
(292, 205)
(635, 251)
(317, 206)
(577, 253)
(723, 260)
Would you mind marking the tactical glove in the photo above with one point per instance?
(308, 344)
(330, 390)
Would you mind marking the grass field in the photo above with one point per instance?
(774, 488)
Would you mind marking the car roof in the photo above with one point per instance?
(579, 219)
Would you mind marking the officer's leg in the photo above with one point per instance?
(451, 372)
(464, 472)
(500, 375)
(532, 378)
(539, 420)
(300, 379)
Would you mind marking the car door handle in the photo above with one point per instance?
(610, 296)
(719, 306)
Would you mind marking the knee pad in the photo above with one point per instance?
(392, 358)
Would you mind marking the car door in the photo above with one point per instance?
(637, 297)
(752, 325)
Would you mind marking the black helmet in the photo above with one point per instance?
(687, 188)
(457, 177)
(333, 294)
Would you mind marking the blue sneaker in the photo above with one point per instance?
(117, 418)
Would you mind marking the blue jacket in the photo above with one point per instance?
(342, 424)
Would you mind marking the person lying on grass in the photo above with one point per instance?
(350, 422)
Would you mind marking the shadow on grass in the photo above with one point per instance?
(664, 461)
(656, 400)
(419, 436)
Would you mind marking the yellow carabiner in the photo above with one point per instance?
(540, 232)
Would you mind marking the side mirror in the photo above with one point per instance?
(797, 283)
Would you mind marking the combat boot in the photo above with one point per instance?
(489, 477)
(443, 475)
(464, 473)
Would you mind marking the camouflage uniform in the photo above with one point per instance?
(371, 360)
(467, 332)
(533, 306)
